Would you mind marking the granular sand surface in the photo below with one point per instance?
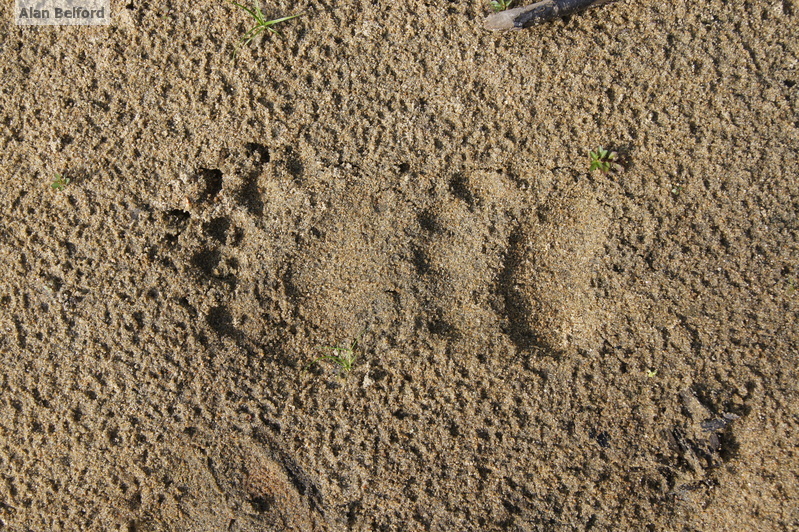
(539, 347)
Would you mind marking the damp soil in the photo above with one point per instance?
(539, 347)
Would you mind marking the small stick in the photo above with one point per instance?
(544, 11)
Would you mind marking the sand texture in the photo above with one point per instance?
(539, 347)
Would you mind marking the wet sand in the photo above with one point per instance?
(540, 347)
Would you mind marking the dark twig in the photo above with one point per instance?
(524, 17)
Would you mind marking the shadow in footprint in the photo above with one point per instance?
(515, 307)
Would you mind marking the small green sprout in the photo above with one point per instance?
(604, 160)
(261, 23)
(344, 357)
(60, 182)
(652, 373)
(500, 5)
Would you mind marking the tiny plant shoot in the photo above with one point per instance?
(604, 160)
(500, 5)
(261, 23)
(60, 182)
(343, 357)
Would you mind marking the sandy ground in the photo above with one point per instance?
(540, 347)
